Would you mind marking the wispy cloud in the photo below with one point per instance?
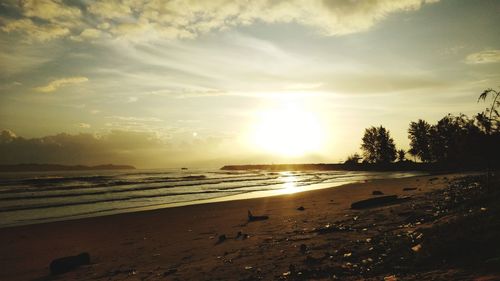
(489, 56)
(132, 99)
(56, 84)
(138, 20)
(84, 125)
(135, 119)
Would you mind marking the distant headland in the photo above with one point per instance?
(395, 166)
(57, 167)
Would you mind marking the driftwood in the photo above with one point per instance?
(375, 202)
(256, 218)
(66, 264)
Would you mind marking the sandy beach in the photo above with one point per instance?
(201, 242)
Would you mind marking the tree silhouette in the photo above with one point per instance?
(378, 146)
(419, 134)
(401, 155)
(491, 126)
(492, 111)
(446, 137)
(353, 159)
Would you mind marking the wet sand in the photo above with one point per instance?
(185, 243)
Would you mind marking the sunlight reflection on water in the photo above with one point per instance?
(289, 183)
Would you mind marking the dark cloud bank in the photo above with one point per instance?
(89, 149)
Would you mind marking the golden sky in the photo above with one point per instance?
(205, 83)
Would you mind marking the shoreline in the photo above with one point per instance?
(294, 188)
(183, 237)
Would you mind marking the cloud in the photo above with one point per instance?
(42, 20)
(114, 146)
(303, 86)
(84, 125)
(132, 99)
(52, 10)
(144, 20)
(370, 83)
(136, 119)
(483, 57)
(34, 31)
(142, 149)
(88, 34)
(56, 84)
(7, 136)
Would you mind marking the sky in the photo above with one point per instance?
(207, 83)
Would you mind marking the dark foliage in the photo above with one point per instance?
(456, 141)
(419, 135)
(378, 146)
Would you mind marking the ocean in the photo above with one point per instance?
(29, 198)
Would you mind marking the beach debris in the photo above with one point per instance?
(390, 278)
(301, 208)
(66, 264)
(303, 248)
(248, 267)
(375, 202)
(332, 228)
(256, 218)
(222, 238)
(170, 271)
(241, 235)
(416, 248)
(409, 188)
(377, 192)
(346, 255)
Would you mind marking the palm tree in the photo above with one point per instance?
(489, 111)
(494, 105)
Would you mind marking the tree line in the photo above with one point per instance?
(453, 141)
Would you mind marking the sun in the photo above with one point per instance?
(287, 130)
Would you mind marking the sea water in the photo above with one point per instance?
(28, 198)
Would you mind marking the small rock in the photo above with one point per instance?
(222, 238)
(301, 208)
(377, 192)
(66, 264)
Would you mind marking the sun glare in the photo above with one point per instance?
(289, 186)
(288, 131)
